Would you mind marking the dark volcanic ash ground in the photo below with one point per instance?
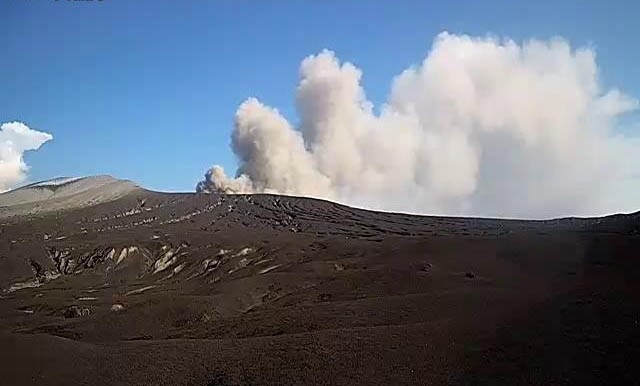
(144, 288)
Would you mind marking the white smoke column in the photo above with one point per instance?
(272, 154)
(15, 139)
(217, 181)
(481, 127)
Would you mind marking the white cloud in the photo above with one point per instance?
(15, 139)
(481, 127)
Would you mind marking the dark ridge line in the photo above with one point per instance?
(438, 217)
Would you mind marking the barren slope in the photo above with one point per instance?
(184, 289)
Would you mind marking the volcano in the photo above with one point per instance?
(105, 283)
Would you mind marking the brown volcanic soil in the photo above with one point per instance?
(272, 290)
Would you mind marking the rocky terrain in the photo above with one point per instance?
(105, 283)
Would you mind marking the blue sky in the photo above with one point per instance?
(147, 90)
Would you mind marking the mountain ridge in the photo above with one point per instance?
(123, 187)
(63, 193)
(299, 291)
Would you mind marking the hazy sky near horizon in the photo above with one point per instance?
(148, 90)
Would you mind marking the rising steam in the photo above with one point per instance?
(482, 127)
(15, 139)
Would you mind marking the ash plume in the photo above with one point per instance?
(15, 139)
(483, 126)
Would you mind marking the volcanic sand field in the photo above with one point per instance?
(186, 289)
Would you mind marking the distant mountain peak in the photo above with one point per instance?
(63, 193)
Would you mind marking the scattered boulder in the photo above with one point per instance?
(76, 312)
(324, 297)
(205, 317)
(117, 307)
